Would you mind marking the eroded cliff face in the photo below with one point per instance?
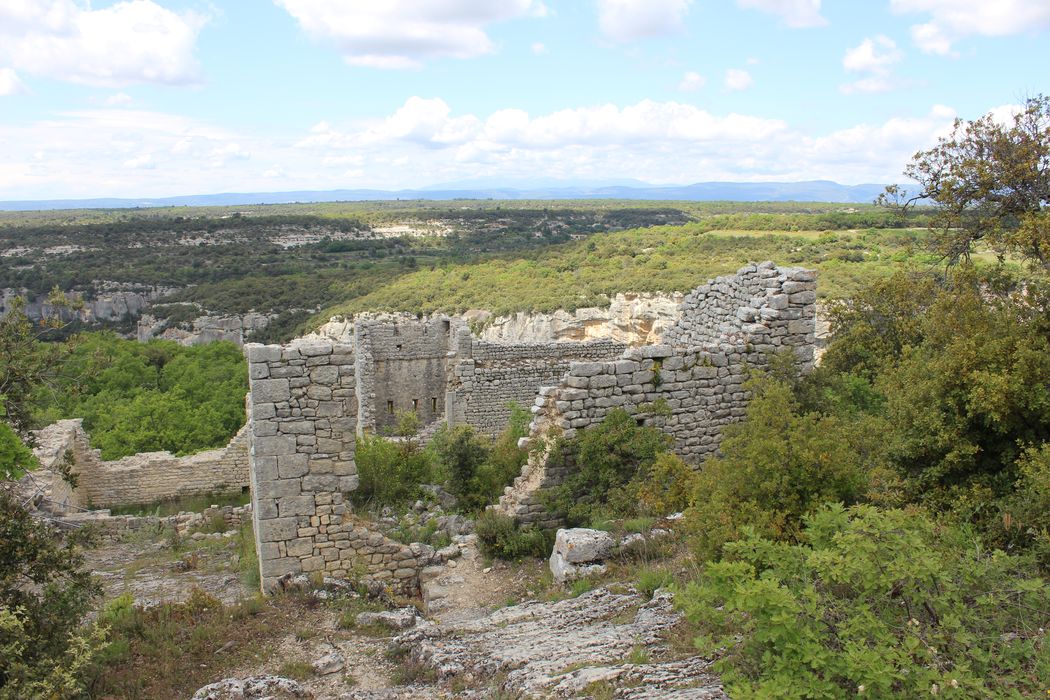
(108, 304)
(634, 319)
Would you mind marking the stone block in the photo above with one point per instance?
(315, 349)
(262, 353)
(275, 445)
(291, 466)
(289, 506)
(277, 529)
(585, 369)
(326, 375)
(270, 391)
(258, 370)
(803, 297)
(325, 483)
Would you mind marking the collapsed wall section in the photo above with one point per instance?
(138, 479)
(689, 387)
(485, 377)
(303, 425)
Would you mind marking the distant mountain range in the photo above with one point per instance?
(810, 191)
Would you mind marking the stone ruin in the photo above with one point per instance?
(310, 400)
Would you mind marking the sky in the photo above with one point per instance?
(152, 98)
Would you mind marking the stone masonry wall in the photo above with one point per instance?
(141, 478)
(699, 372)
(485, 377)
(408, 357)
(303, 425)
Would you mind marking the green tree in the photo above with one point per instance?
(990, 182)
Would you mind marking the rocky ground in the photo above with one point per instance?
(469, 637)
(153, 571)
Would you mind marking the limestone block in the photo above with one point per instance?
(270, 391)
(326, 375)
(585, 369)
(803, 297)
(275, 445)
(277, 529)
(315, 349)
(582, 545)
(262, 353)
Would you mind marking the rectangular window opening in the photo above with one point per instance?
(434, 405)
(415, 405)
(390, 407)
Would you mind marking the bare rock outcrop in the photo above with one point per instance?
(560, 648)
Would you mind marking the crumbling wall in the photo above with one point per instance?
(692, 385)
(142, 478)
(485, 377)
(303, 425)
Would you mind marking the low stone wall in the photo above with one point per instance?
(143, 478)
(115, 526)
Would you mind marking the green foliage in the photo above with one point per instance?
(15, 458)
(143, 397)
(649, 580)
(461, 453)
(611, 461)
(991, 182)
(390, 472)
(500, 537)
(880, 603)
(44, 594)
(775, 467)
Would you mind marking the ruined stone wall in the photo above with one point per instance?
(485, 377)
(697, 375)
(401, 367)
(142, 478)
(303, 425)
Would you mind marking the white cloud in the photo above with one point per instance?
(128, 152)
(630, 20)
(405, 33)
(10, 83)
(691, 82)
(133, 41)
(539, 48)
(875, 57)
(794, 13)
(952, 20)
(738, 79)
(118, 99)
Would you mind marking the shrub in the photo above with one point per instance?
(884, 603)
(607, 458)
(391, 472)
(500, 537)
(776, 466)
(44, 594)
(461, 453)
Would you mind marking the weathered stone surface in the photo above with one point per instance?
(391, 619)
(254, 688)
(329, 663)
(534, 644)
(580, 545)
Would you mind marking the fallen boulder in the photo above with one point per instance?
(579, 552)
